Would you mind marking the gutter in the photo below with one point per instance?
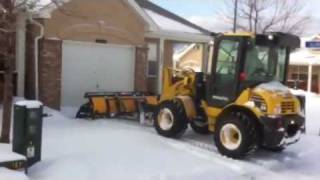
(36, 54)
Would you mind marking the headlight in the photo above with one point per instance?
(259, 103)
(277, 109)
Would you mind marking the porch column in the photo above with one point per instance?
(161, 62)
(310, 77)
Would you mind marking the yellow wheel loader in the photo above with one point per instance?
(241, 98)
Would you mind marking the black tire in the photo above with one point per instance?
(84, 111)
(200, 126)
(278, 149)
(249, 130)
(179, 119)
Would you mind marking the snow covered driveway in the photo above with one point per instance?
(121, 149)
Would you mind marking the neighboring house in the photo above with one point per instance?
(304, 70)
(191, 56)
(99, 45)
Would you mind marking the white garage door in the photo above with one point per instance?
(94, 67)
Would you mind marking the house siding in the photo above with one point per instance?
(113, 21)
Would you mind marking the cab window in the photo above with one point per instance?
(227, 60)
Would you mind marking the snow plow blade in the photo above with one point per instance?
(117, 104)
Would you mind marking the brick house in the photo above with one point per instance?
(109, 45)
(190, 57)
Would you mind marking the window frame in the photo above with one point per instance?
(156, 61)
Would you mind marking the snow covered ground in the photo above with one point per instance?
(122, 149)
(312, 111)
(6, 174)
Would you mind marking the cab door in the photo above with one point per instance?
(223, 82)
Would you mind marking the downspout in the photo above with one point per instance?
(20, 53)
(36, 54)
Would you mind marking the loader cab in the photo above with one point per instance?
(244, 61)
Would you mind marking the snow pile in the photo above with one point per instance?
(29, 104)
(312, 110)
(69, 111)
(312, 114)
(273, 86)
(6, 174)
(6, 153)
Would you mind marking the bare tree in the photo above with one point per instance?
(8, 13)
(260, 16)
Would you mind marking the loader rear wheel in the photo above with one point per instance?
(171, 119)
(236, 135)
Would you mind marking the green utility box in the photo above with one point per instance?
(27, 130)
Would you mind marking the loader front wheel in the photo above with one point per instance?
(171, 119)
(236, 135)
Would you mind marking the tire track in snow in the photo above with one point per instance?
(248, 168)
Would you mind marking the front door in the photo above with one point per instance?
(223, 82)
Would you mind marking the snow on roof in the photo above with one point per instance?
(304, 57)
(48, 7)
(168, 24)
(177, 56)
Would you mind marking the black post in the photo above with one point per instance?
(235, 16)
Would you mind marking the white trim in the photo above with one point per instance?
(310, 77)
(179, 36)
(152, 25)
(36, 54)
(97, 44)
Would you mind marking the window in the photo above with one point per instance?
(227, 58)
(264, 63)
(152, 70)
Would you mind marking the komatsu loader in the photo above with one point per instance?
(241, 98)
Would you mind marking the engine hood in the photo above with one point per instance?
(277, 96)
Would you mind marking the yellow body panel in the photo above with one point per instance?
(183, 88)
(99, 105)
(174, 85)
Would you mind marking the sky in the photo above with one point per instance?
(207, 13)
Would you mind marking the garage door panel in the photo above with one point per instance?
(95, 67)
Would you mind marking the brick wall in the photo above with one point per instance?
(50, 55)
(50, 62)
(141, 60)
